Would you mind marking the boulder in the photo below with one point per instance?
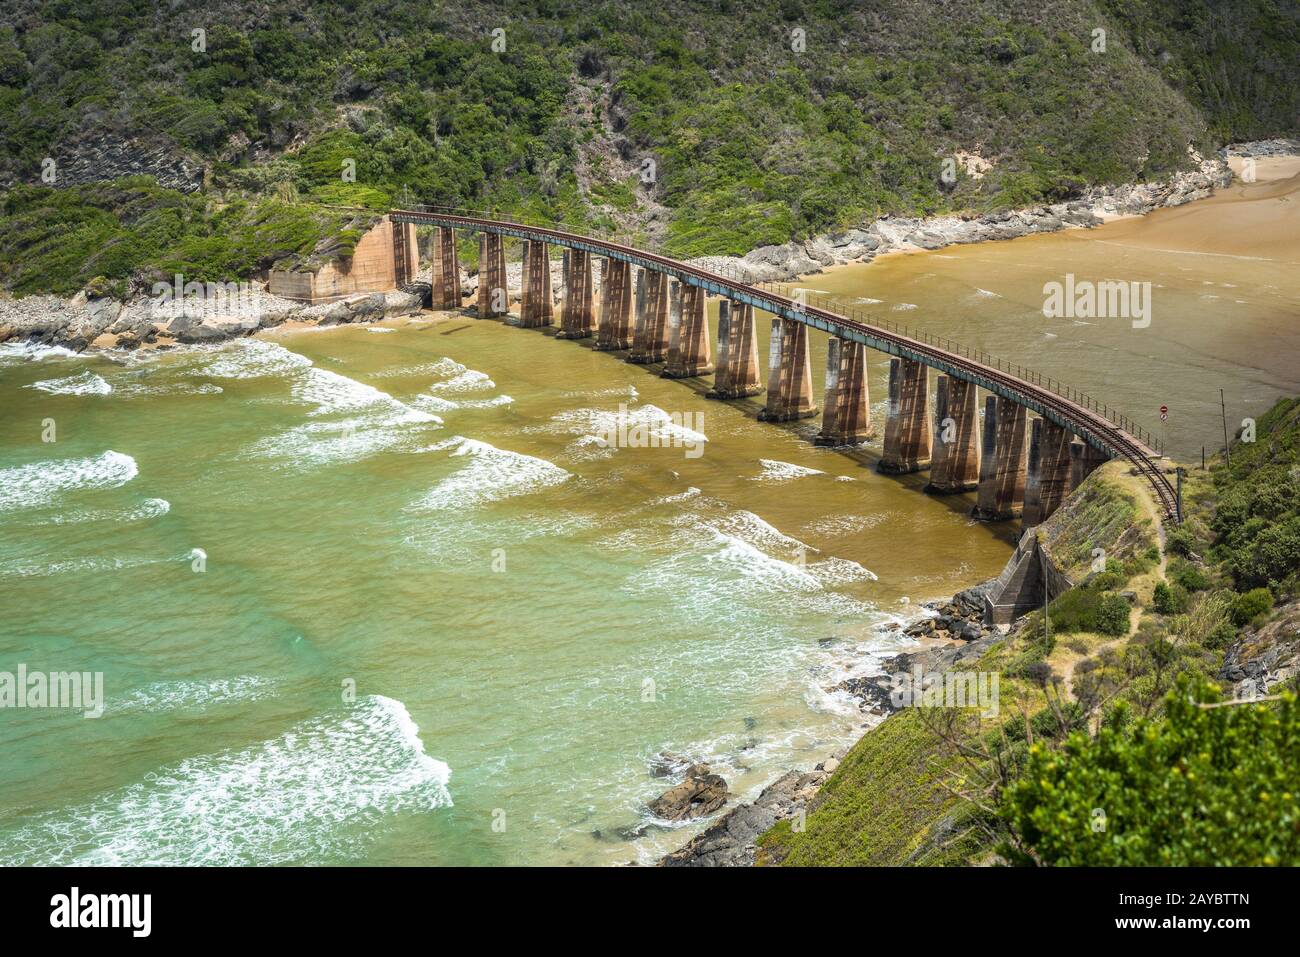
(700, 794)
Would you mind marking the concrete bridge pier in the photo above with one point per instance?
(614, 330)
(493, 296)
(446, 270)
(650, 339)
(737, 373)
(789, 374)
(1002, 464)
(577, 317)
(1048, 479)
(1084, 460)
(535, 306)
(688, 340)
(406, 253)
(846, 413)
(954, 455)
(907, 423)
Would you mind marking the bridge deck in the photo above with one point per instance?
(1086, 421)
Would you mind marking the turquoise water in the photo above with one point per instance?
(430, 620)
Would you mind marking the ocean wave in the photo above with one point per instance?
(645, 421)
(252, 359)
(832, 571)
(42, 483)
(164, 696)
(470, 380)
(28, 569)
(774, 471)
(322, 789)
(491, 474)
(33, 352)
(379, 422)
(149, 508)
(436, 403)
(750, 528)
(84, 383)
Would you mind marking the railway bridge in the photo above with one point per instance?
(653, 308)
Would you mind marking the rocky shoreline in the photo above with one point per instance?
(87, 321)
(948, 633)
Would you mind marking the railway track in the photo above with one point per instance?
(1092, 426)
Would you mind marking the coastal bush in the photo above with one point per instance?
(1246, 608)
(1225, 777)
(1191, 577)
(1222, 635)
(1169, 599)
(1074, 611)
(1113, 614)
(1180, 541)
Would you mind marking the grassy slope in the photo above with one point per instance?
(891, 801)
(753, 143)
(886, 805)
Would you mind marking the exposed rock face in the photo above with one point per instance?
(96, 155)
(1258, 662)
(80, 322)
(731, 841)
(1263, 148)
(701, 793)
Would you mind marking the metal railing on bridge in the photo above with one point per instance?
(720, 266)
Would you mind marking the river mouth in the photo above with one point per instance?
(425, 576)
(1224, 292)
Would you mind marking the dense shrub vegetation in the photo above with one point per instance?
(1196, 787)
(752, 141)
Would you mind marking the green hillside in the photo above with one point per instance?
(761, 122)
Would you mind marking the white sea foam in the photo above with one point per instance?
(28, 569)
(84, 383)
(322, 789)
(490, 475)
(753, 564)
(446, 366)
(163, 696)
(436, 403)
(380, 329)
(42, 483)
(149, 508)
(774, 471)
(252, 359)
(470, 380)
(833, 571)
(986, 294)
(375, 422)
(33, 352)
(748, 527)
(656, 424)
(904, 306)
